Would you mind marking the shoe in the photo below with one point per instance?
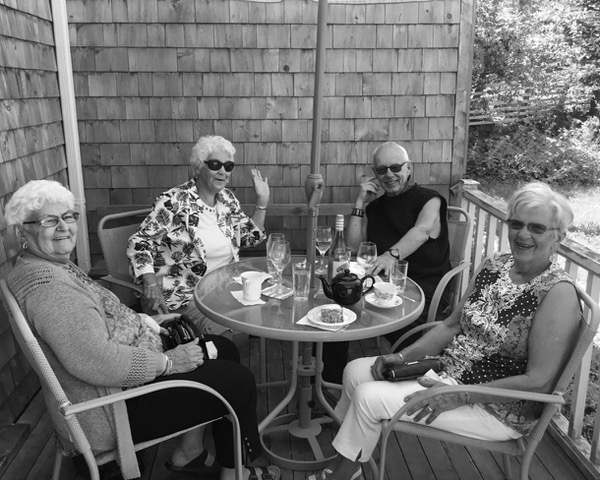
(196, 467)
(325, 473)
(270, 472)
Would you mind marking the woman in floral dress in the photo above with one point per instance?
(195, 228)
(514, 329)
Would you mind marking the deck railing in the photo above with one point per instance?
(490, 234)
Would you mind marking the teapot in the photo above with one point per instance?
(346, 288)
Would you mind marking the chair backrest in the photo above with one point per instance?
(587, 330)
(459, 227)
(38, 361)
(114, 231)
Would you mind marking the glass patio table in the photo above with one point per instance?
(278, 319)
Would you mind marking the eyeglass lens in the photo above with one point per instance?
(537, 228)
(52, 220)
(395, 168)
(216, 165)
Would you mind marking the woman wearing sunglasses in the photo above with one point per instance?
(514, 328)
(192, 229)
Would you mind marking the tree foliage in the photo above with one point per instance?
(548, 44)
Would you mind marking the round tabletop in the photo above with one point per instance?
(277, 319)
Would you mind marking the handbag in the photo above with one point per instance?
(411, 370)
(182, 330)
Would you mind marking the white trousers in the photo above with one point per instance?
(365, 403)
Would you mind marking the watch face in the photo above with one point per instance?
(394, 253)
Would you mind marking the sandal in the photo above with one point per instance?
(270, 472)
(325, 473)
(196, 467)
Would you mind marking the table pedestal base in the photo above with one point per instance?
(300, 425)
(291, 424)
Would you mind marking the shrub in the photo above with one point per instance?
(527, 151)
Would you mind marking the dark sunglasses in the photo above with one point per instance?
(536, 228)
(216, 165)
(52, 220)
(395, 168)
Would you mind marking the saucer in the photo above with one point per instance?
(370, 298)
(348, 316)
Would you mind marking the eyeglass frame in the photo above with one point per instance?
(518, 225)
(394, 168)
(228, 165)
(54, 219)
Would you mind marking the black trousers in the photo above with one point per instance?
(168, 411)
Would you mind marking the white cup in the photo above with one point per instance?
(252, 285)
(384, 293)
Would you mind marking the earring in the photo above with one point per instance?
(24, 245)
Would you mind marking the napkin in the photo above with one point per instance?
(333, 328)
(270, 292)
(239, 296)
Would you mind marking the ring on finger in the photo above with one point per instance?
(428, 409)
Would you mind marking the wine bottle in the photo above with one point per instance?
(338, 259)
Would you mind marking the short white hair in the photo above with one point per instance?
(208, 144)
(33, 196)
(539, 195)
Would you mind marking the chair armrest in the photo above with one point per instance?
(413, 331)
(122, 283)
(439, 290)
(70, 409)
(556, 398)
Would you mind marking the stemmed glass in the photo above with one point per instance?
(366, 256)
(273, 237)
(280, 254)
(323, 239)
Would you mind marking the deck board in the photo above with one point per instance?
(408, 458)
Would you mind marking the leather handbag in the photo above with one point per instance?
(182, 330)
(411, 370)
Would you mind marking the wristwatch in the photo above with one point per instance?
(394, 253)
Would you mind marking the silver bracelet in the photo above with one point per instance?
(400, 357)
(168, 367)
(259, 207)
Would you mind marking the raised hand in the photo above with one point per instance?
(261, 187)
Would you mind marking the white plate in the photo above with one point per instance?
(315, 316)
(370, 298)
(358, 270)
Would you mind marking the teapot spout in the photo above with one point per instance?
(326, 287)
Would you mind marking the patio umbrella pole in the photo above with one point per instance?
(314, 184)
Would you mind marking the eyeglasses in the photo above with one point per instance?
(52, 220)
(216, 165)
(536, 228)
(395, 168)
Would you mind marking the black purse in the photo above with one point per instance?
(411, 370)
(182, 330)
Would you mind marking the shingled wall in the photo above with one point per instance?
(151, 76)
(31, 147)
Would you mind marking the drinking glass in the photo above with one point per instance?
(366, 256)
(323, 239)
(301, 272)
(398, 272)
(280, 254)
(270, 267)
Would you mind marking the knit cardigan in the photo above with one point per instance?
(67, 317)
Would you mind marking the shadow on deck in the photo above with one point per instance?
(409, 458)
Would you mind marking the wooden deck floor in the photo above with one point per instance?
(409, 458)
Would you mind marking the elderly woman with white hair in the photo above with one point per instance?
(193, 229)
(97, 345)
(514, 328)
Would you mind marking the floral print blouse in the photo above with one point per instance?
(495, 322)
(169, 244)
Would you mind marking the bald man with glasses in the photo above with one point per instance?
(407, 222)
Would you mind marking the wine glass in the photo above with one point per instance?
(323, 239)
(366, 256)
(280, 254)
(270, 267)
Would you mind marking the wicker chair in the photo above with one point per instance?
(523, 447)
(56, 398)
